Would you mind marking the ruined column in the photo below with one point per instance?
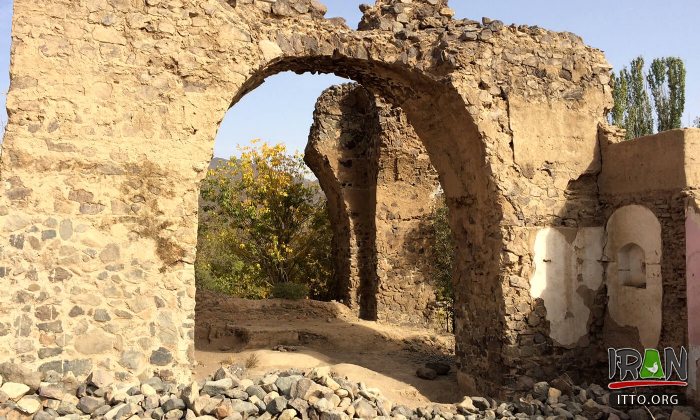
(381, 190)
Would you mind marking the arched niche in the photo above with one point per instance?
(633, 277)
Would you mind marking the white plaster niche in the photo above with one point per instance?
(567, 268)
(633, 275)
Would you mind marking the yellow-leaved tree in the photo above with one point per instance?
(264, 228)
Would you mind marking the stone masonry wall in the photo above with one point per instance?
(342, 152)
(113, 108)
(407, 193)
(365, 151)
(659, 173)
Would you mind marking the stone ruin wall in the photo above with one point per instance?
(382, 191)
(657, 175)
(407, 194)
(633, 194)
(692, 243)
(342, 152)
(113, 109)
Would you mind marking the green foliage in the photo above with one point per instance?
(264, 224)
(443, 252)
(219, 269)
(639, 121)
(666, 80)
(632, 88)
(619, 91)
(287, 290)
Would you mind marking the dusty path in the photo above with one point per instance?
(229, 330)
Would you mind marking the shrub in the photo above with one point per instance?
(263, 222)
(292, 291)
(252, 361)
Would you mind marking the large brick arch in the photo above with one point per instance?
(113, 110)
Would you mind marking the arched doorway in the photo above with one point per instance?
(104, 181)
(440, 118)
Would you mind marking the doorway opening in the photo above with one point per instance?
(362, 215)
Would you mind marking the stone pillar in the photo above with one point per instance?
(342, 152)
(381, 189)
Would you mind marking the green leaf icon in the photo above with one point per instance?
(651, 366)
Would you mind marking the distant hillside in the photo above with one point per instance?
(216, 162)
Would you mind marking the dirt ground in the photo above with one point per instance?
(230, 330)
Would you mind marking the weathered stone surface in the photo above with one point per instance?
(364, 409)
(14, 390)
(426, 373)
(51, 391)
(161, 357)
(214, 388)
(285, 383)
(13, 372)
(190, 394)
(49, 352)
(101, 315)
(133, 360)
(288, 414)
(381, 189)
(101, 378)
(88, 404)
(173, 404)
(29, 404)
(123, 401)
(94, 342)
(509, 118)
(277, 405)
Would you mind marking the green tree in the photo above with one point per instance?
(632, 89)
(442, 255)
(640, 121)
(666, 80)
(443, 252)
(266, 224)
(618, 114)
(220, 269)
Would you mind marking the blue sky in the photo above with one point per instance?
(281, 109)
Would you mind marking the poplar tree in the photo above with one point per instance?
(619, 91)
(666, 80)
(633, 88)
(640, 120)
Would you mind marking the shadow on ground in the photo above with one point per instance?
(229, 330)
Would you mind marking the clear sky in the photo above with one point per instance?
(281, 109)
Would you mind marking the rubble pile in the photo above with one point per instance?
(316, 394)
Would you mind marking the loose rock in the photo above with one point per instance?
(426, 373)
